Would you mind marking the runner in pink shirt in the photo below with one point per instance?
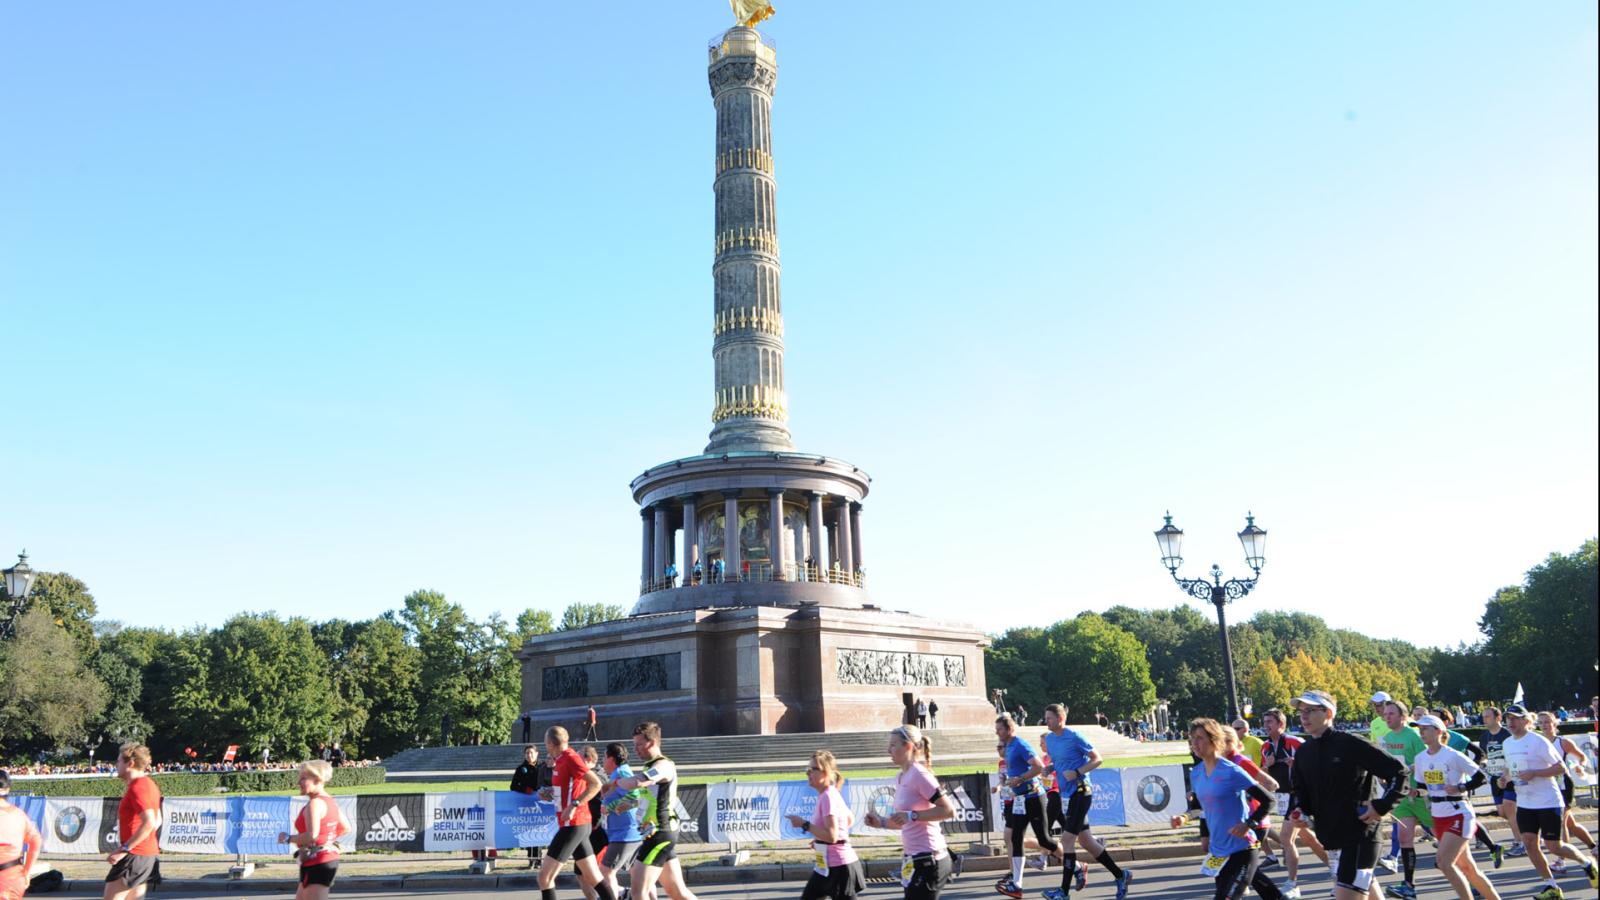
(837, 873)
(920, 805)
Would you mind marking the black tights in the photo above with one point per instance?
(1032, 815)
(1242, 870)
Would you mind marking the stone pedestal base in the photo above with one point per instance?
(756, 670)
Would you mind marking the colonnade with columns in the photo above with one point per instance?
(831, 540)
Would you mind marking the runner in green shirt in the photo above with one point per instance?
(1404, 743)
(1378, 728)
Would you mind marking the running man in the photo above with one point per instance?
(1277, 755)
(1534, 767)
(1568, 751)
(1403, 743)
(316, 832)
(658, 856)
(1073, 758)
(1444, 776)
(571, 786)
(1025, 809)
(1494, 765)
(1333, 777)
(920, 804)
(19, 844)
(138, 817)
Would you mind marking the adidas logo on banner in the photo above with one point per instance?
(392, 826)
(966, 810)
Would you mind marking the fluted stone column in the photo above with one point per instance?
(847, 558)
(647, 550)
(691, 538)
(751, 406)
(662, 534)
(776, 550)
(815, 539)
(730, 537)
(855, 535)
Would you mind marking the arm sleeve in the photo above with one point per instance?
(1265, 800)
(1476, 781)
(1475, 753)
(1386, 767)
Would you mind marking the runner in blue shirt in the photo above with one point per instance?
(1224, 791)
(1026, 806)
(1074, 758)
(623, 815)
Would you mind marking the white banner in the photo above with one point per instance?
(347, 842)
(1587, 743)
(72, 824)
(866, 795)
(194, 825)
(1152, 795)
(743, 811)
(459, 821)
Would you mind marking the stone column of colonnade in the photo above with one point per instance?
(814, 534)
(730, 538)
(750, 405)
(662, 536)
(647, 554)
(691, 539)
(846, 543)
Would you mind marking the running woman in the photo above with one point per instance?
(317, 830)
(1568, 751)
(658, 856)
(920, 804)
(623, 814)
(1444, 776)
(1026, 807)
(1225, 791)
(1533, 765)
(1403, 743)
(571, 786)
(19, 844)
(138, 817)
(1073, 758)
(1277, 755)
(1333, 777)
(836, 872)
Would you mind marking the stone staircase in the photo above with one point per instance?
(754, 754)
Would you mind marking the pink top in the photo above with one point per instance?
(916, 789)
(831, 805)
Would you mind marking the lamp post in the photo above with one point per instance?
(1219, 592)
(19, 580)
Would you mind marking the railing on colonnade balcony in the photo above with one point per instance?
(758, 573)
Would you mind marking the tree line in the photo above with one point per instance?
(70, 682)
(1541, 633)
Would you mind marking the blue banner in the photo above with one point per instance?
(1107, 808)
(31, 806)
(254, 823)
(522, 820)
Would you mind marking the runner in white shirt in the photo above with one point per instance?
(1534, 766)
(1445, 776)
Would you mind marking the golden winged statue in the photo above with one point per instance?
(750, 12)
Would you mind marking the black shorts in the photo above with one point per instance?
(928, 876)
(1352, 865)
(598, 839)
(1501, 794)
(658, 849)
(1075, 818)
(841, 883)
(571, 842)
(619, 855)
(1544, 822)
(133, 869)
(321, 873)
(1566, 790)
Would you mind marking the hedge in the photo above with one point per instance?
(194, 784)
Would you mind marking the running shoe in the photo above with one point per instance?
(1009, 888)
(1267, 859)
(1550, 892)
(1498, 854)
(1404, 891)
(1594, 875)
(1391, 863)
(1292, 892)
(1517, 850)
(1558, 867)
(1036, 863)
(1054, 894)
(1083, 878)
(1122, 884)
(956, 864)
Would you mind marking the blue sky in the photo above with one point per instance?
(305, 306)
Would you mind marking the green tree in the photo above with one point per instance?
(1085, 662)
(582, 615)
(119, 662)
(69, 604)
(533, 622)
(1185, 657)
(390, 672)
(1267, 688)
(48, 695)
(1542, 633)
(347, 714)
(439, 630)
(270, 686)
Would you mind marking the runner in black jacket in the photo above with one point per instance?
(1334, 778)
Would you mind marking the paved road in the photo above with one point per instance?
(1170, 880)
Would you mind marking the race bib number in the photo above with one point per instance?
(820, 860)
(1212, 866)
(908, 868)
(1433, 776)
(1019, 805)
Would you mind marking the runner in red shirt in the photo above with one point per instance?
(572, 783)
(138, 817)
(19, 844)
(318, 850)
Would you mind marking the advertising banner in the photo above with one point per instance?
(1152, 795)
(458, 821)
(874, 795)
(1107, 806)
(32, 807)
(692, 822)
(522, 820)
(194, 825)
(1586, 743)
(348, 805)
(254, 823)
(743, 811)
(390, 822)
(968, 798)
(73, 824)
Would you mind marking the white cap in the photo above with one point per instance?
(1431, 722)
(1381, 697)
(1317, 698)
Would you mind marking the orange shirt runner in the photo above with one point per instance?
(142, 794)
(19, 847)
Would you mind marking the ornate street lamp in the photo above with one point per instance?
(1219, 592)
(18, 580)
